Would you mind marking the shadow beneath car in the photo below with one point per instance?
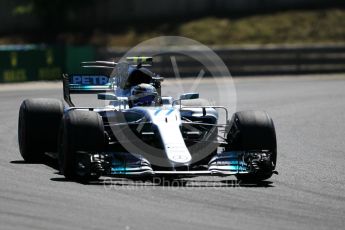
(114, 182)
(260, 184)
(52, 163)
(21, 162)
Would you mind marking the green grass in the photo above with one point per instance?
(317, 26)
(321, 26)
(289, 27)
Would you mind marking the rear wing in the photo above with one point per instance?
(142, 61)
(85, 84)
(133, 61)
(92, 84)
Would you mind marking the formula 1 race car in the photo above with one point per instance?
(139, 133)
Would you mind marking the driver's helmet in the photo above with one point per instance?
(143, 95)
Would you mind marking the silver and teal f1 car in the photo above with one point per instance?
(139, 133)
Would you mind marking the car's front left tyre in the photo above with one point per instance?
(254, 131)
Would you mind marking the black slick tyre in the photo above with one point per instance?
(80, 131)
(254, 130)
(38, 126)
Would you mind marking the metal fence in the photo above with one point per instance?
(250, 60)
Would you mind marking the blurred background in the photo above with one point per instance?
(40, 40)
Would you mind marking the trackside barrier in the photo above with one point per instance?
(249, 60)
(20, 63)
(42, 62)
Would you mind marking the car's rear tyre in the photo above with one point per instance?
(80, 131)
(254, 130)
(38, 126)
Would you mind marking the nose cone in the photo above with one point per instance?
(168, 122)
(177, 153)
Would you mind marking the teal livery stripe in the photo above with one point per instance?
(75, 87)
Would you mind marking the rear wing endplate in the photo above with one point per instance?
(85, 84)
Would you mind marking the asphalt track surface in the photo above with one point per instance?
(309, 192)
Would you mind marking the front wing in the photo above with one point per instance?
(132, 165)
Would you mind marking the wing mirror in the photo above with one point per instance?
(187, 96)
(107, 96)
